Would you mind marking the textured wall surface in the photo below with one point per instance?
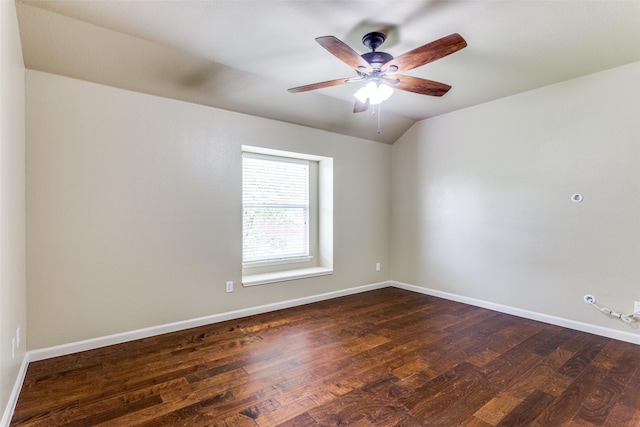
(134, 209)
(482, 199)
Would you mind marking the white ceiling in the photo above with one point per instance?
(243, 55)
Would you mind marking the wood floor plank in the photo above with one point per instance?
(528, 410)
(602, 399)
(388, 357)
(497, 408)
(565, 406)
(623, 415)
(375, 403)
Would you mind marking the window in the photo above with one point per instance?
(287, 209)
(275, 209)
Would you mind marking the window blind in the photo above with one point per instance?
(275, 200)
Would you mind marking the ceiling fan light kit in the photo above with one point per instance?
(374, 92)
(378, 69)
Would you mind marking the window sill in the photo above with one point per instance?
(283, 276)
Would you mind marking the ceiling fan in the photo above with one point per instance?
(379, 69)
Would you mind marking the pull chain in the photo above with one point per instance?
(373, 113)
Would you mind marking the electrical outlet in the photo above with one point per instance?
(229, 286)
(636, 307)
(377, 266)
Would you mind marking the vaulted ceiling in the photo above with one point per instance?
(243, 55)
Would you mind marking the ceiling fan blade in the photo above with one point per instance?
(427, 53)
(419, 85)
(321, 85)
(344, 53)
(360, 107)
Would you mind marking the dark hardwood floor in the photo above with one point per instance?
(382, 358)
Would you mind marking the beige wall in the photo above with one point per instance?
(134, 209)
(481, 199)
(133, 205)
(13, 309)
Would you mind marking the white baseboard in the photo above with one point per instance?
(15, 392)
(90, 344)
(541, 317)
(61, 350)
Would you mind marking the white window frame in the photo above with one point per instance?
(304, 254)
(320, 259)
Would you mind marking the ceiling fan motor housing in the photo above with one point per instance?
(377, 59)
